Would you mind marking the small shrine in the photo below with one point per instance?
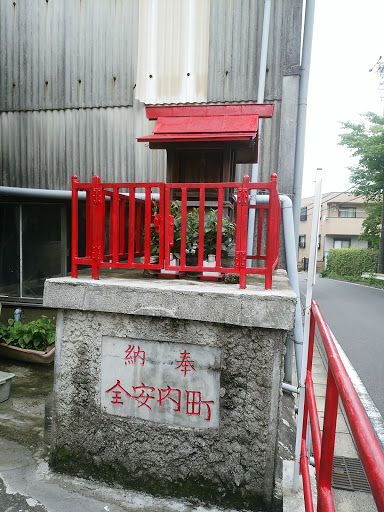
(205, 142)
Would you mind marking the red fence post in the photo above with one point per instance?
(97, 226)
(114, 235)
(306, 478)
(328, 446)
(122, 214)
(241, 231)
(75, 227)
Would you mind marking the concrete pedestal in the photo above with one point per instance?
(170, 387)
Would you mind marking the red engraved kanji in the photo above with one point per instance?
(194, 403)
(134, 355)
(116, 390)
(165, 393)
(186, 363)
(143, 398)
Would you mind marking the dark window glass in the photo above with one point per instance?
(10, 250)
(43, 247)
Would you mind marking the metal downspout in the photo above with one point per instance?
(290, 254)
(260, 99)
(39, 193)
(302, 113)
(60, 195)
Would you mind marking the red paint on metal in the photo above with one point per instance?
(306, 478)
(209, 125)
(75, 226)
(340, 386)
(132, 227)
(262, 110)
(197, 137)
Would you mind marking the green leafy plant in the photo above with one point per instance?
(36, 335)
(210, 234)
(323, 272)
(192, 232)
(366, 141)
(351, 262)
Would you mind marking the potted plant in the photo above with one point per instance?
(210, 234)
(176, 214)
(32, 342)
(192, 234)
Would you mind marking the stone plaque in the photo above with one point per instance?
(173, 383)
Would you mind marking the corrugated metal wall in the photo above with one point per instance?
(68, 71)
(43, 149)
(66, 54)
(234, 50)
(95, 41)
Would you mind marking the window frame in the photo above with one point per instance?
(303, 213)
(302, 241)
(346, 210)
(346, 239)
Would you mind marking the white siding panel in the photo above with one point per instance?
(173, 46)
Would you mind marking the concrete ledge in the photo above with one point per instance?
(182, 299)
(375, 276)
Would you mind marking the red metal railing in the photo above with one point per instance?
(338, 385)
(119, 227)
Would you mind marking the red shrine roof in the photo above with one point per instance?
(206, 123)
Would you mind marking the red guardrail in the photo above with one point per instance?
(121, 227)
(338, 385)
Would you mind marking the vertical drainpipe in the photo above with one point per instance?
(260, 99)
(302, 113)
(21, 250)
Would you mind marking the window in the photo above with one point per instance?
(34, 247)
(303, 213)
(348, 212)
(302, 241)
(319, 242)
(342, 243)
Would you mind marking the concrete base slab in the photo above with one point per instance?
(27, 487)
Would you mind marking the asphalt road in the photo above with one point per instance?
(355, 315)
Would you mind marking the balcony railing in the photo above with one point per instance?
(124, 224)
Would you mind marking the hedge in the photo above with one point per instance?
(352, 262)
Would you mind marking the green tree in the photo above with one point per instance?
(366, 140)
(371, 224)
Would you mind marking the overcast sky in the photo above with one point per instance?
(348, 40)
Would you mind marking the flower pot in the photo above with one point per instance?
(27, 355)
(210, 262)
(5, 385)
(173, 262)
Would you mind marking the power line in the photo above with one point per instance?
(309, 208)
